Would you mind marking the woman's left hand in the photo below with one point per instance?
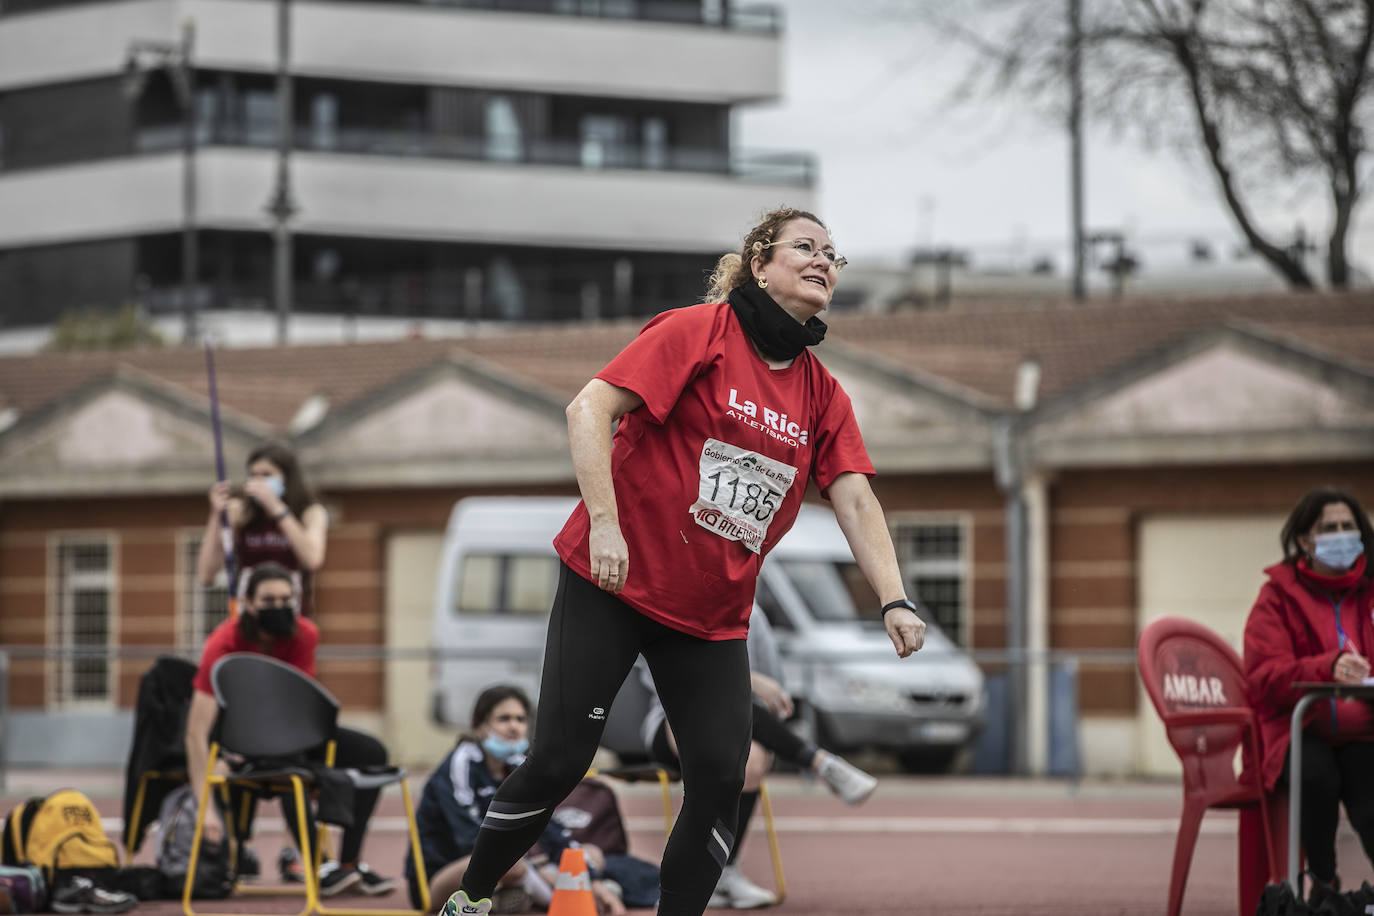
(905, 629)
(258, 490)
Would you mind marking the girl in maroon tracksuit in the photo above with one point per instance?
(1314, 621)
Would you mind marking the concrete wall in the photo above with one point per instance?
(392, 197)
(401, 43)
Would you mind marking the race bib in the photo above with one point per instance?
(740, 492)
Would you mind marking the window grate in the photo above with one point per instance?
(83, 621)
(933, 557)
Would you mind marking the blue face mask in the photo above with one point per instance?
(276, 485)
(502, 749)
(1337, 550)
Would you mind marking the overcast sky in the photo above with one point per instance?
(900, 167)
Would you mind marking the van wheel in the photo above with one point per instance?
(927, 760)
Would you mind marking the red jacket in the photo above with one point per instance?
(1291, 636)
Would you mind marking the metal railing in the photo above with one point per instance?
(752, 18)
(994, 663)
(591, 155)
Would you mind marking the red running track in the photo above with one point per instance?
(937, 846)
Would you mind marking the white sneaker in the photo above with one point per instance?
(736, 892)
(846, 780)
(460, 905)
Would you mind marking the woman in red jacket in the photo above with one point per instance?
(1313, 622)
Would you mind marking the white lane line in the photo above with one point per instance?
(1083, 826)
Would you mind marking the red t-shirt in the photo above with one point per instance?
(298, 651)
(709, 473)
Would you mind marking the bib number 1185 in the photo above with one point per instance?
(757, 499)
(740, 492)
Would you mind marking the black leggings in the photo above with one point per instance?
(1330, 776)
(352, 749)
(593, 640)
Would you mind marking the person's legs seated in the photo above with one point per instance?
(358, 750)
(1321, 796)
(847, 781)
(1355, 761)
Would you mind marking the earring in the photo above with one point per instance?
(763, 283)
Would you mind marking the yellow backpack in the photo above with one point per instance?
(60, 832)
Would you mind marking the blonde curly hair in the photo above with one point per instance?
(733, 268)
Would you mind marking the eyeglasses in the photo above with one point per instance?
(807, 249)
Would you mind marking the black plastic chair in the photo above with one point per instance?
(272, 715)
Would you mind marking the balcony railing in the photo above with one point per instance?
(591, 154)
(752, 18)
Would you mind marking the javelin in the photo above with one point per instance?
(225, 531)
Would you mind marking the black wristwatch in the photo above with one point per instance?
(900, 602)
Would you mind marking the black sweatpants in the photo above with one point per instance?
(1331, 776)
(593, 640)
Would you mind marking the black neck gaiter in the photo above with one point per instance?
(776, 333)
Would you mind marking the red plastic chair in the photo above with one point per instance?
(1197, 685)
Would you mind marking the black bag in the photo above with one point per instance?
(1279, 900)
(178, 819)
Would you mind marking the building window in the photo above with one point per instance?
(199, 608)
(933, 553)
(504, 141)
(82, 620)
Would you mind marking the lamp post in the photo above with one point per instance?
(281, 207)
(175, 59)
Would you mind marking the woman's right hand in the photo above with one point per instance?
(610, 556)
(219, 496)
(1350, 668)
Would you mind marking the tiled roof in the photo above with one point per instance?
(977, 347)
(980, 346)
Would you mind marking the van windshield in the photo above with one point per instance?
(832, 591)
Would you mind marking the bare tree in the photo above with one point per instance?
(1274, 93)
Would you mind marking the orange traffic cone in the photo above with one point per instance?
(572, 892)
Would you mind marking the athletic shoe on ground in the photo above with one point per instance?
(80, 894)
(336, 878)
(289, 866)
(460, 905)
(736, 892)
(249, 868)
(511, 900)
(846, 780)
(373, 884)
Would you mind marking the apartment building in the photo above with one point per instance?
(463, 159)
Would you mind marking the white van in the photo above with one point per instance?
(497, 577)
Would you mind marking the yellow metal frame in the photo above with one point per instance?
(770, 828)
(311, 871)
(131, 829)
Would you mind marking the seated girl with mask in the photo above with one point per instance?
(455, 801)
(1312, 623)
(269, 622)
